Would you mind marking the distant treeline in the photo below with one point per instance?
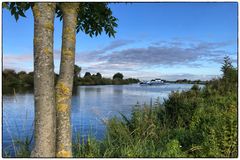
(12, 81)
(185, 81)
(188, 81)
(97, 79)
(22, 81)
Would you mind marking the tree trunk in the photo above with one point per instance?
(65, 81)
(44, 94)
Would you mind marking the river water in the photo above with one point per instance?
(91, 107)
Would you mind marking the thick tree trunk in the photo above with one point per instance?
(44, 94)
(65, 81)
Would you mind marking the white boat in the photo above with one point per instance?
(152, 82)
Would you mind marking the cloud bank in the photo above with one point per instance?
(117, 56)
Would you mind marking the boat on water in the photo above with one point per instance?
(152, 82)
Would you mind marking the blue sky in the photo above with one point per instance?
(153, 40)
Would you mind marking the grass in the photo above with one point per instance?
(20, 143)
(21, 147)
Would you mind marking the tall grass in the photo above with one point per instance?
(20, 144)
(188, 124)
(86, 147)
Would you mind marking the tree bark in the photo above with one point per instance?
(44, 94)
(65, 81)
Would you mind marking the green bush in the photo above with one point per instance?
(194, 123)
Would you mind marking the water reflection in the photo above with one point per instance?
(91, 106)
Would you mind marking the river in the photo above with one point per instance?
(91, 106)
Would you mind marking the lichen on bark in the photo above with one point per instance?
(65, 80)
(44, 93)
(64, 153)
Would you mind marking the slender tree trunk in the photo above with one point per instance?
(65, 81)
(44, 94)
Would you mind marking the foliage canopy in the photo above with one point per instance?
(93, 18)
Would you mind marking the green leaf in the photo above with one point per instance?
(18, 3)
(5, 5)
(27, 7)
(13, 11)
(22, 5)
(20, 12)
(16, 16)
(12, 5)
